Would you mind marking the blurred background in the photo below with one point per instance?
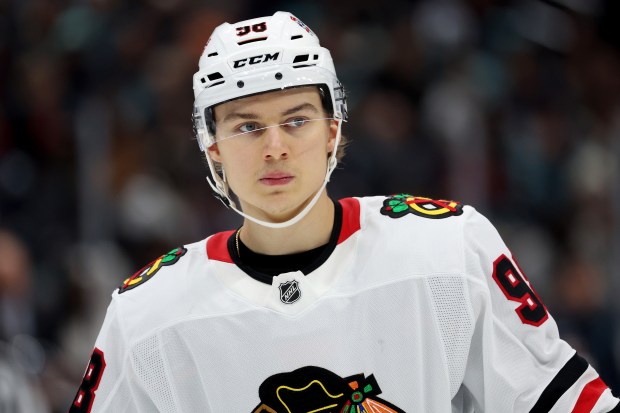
(510, 106)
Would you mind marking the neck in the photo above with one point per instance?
(312, 231)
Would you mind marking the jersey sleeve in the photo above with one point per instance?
(105, 387)
(517, 361)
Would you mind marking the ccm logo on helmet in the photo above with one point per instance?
(254, 60)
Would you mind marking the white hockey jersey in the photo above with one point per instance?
(416, 306)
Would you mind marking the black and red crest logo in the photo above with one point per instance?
(289, 292)
(315, 389)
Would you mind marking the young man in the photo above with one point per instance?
(385, 304)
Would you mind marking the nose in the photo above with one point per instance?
(275, 146)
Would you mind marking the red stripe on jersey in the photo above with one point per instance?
(217, 248)
(350, 218)
(589, 396)
(217, 245)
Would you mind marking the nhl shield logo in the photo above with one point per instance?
(289, 292)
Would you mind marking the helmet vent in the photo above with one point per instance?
(301, 58)
(258, 39)
(215, 76)
(216, 83)
(297, 36)
(212, 54)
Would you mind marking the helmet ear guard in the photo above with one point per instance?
(200, 131)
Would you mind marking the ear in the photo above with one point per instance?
(214, 152)
(333, 130)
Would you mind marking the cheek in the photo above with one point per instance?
(314, 159)
(312, 155)
(234, 160)
(316, 147)
(234, 150)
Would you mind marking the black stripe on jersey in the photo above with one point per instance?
(566, 377)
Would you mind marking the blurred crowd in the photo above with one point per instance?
(510, 106)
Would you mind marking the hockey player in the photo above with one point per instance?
(384, 304)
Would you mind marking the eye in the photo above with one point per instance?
(248, 127)
(297, 122)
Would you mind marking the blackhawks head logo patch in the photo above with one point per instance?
(397, 206)
(147, 272)
(314, 389)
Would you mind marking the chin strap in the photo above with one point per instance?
(220, 186)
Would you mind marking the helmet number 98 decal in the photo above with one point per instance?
(516, 287)
(256, 28)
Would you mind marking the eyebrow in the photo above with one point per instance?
(299, 108)
(252, 116)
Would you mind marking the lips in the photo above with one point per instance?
(276, 178)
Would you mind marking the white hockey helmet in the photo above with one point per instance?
(261, 55)
(257, 56)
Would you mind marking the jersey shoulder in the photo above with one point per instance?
(409, 235)
(407, 211)
(164, 272)
(436, 220)
(161, 291)
(151, 269)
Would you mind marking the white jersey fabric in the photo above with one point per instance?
(418, 307)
